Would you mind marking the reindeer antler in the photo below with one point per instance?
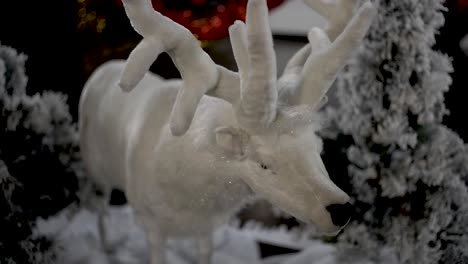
(254, 53)
(327, 59)
(256, 60)
(313, 69)
(337, 12)
(199, 73)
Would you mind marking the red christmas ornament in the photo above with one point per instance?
(463, 6)
(459, 6)
(206, 19)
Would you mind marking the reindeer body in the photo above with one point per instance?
(130, 147)
(188, 161)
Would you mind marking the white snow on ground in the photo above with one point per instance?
(80, 243)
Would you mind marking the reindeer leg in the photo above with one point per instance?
(103, 212)
(155, 237)
(205, 248)
(156, 245)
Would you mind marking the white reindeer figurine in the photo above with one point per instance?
(188, 161)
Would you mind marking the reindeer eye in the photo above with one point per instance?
(264, 166)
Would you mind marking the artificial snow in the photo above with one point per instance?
(78, 242)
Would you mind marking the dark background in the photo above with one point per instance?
(66, 40)
(64, 44)
(455, 28)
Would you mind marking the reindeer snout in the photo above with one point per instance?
(340, 213)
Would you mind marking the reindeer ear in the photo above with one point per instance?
(232, 140)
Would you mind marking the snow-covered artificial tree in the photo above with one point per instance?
(464, 44)
(39, 161)
(406, 172)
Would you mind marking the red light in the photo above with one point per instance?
(208, 21)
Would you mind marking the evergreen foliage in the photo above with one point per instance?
(406, 172)
(39, 163)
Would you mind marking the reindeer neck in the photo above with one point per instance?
(200, 141)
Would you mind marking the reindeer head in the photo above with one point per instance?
(284, 166)
(276, 120)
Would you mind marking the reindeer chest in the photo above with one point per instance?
(185, 188)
